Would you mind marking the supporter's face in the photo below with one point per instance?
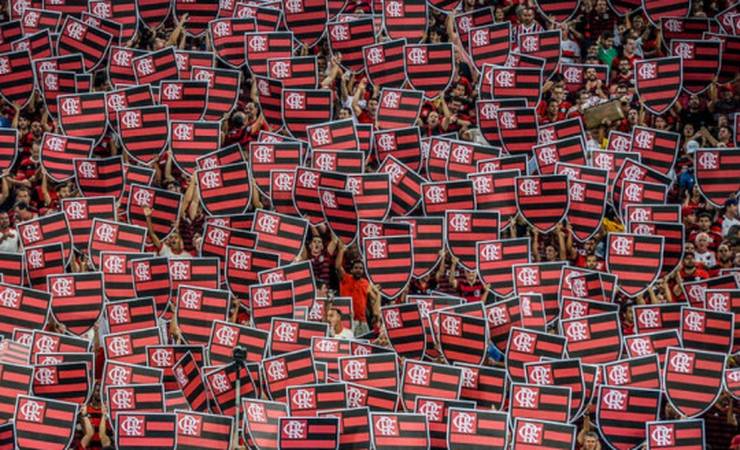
(251, 110)
(159, 43)
(344, 114)
(609, 43)
(23, 123)
(558, 93)
(23, 196)
(433, 118)
(372, 105)
(459, 90)
(333, 318)
(601, 6)
(688, 260)
(704, 223)
(470, 277)
(36, 129)
(688, 130)
(176, 242)
(4, 220)
(552, 107)
(24, 214)
(702, 243)
(638, 23)
(498, 14)
(357, 270)
(591, 262)
(632, 117)
(317, 246)
(724, 253)
(590, 443)
(694, 101)
(455, 106)
(527, 16)
(589, 245)
(723, 134)
(629, 46)
(689, 247)
(591, 74)
(624, 66)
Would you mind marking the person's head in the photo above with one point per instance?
(525, 15)
(36, 129)
(334, 318)
(689, 261)
(731, 208)
(23, 122)
(591, 74)
(558, 93)
(316, 246)
(638, 23)
(459, 90)
(22, 195)
(702, 242)
(358, 270)
(688, 131)
(433, 119)
(705, 221)
(65, 190)
(629, 44)
(551, 253)
(498, 14)
(455, 105)
(607, 40)
(552, 107)
(592, 262)
(175, 242)
(372, 106)
(23, 212)
(624, 66)
(724, 134)
(724, 253)
(471, 276)
(590, 441)
(4, 221)
(661, 123)
(601, 6)
(237, 120)
(251, 111)
(345, 113)
(694, 102)
(633, 116)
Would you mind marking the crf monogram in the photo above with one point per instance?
(417, 56)
(681, 362)
(614, 399)
(694, 321)
(526, 398)
(418, 375)
(529, 433)
(435, 194)
(504, 78)
(541, 375)
(662, 435)
(622, 246)
(354, 369)
(647, 71)
(188, 425)
(303, 399)
(280, 69)
(480, 38)
(463, 422)
(32, 411)
(619, 375)
(386, 426)
(376, 249)
(391, 99)
(294, 429)
(375, 55)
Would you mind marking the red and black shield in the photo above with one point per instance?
(261, 46)
(8, 148)
(340, 213)
(201, 430)
(34, 19)
(542, 44)
(508, 83)
(429, 67)
(405, 19)
(196, 308)
(701, 61)
(52, 84)
(463, 158)
(300, 432)
(633, 170)
(124, 98)
(131, 346)
(379, 371)
(467, 20)
(594, 339)
(441, 196)
(300, 274)
(185, 99)
(194, 272)
(41, 261)
(278, 372)
(484, 385)
(348, 39)
(429, 379)
(383, 257)
(652, 213)
(288, 335)
(43, 423)
(586, 208)
(279, 234)
(673, 244)
(494, 259)
(636, 260)
(268, 17)
(372, 194)
(641, 372)
(462, 338)
(306, 194)
(111, 236)
(530, 401)
(658, 149)
(675, 434)
(655, 10)
(225, 336)
(551, 132)
(558, 10)
(427, 235)
(67, 381)
(703, 329)
(216, 238)
(552, 155)
(83, 115)
(300, 72)
(405, 329)
(540, 278)
(334, 135)
(48, 342)
(242, 267)
(77, 36)
(661, 317)
(48, 229)
(583, 172)
(189, 380)
(199, 14)
(303, 107)
(164, 207)
(730, 54)
(398, 108)
(564, 373)
(17, 82)
(658, 82)
(389, 430)
(692, 379)
(465, 426)
(405, 185)
(191, 140)
(16, 380)
(144, 131)
(621, 414)
(11, 265)
(261, 421)
(153, 67)
(490, 44)
(384, 64)
(402, 143)
(310, 399)
(517, 129)
(306, 19)
(129, 315)
(713, 169)
(76, 300)
(543, 201)
(270, 300)
(269, 98)
(58, 152)
(227, 36)
(527, 346)
(732, 381)
(494, 191)
(463, 230)
(134, 429)
(223, 90)
(151, 279)
(437, 414)
(224, 190)
(24, 308)
(120, 70)
(531, 434)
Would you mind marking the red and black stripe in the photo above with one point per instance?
(53, 427)
(349, 38)
(77, 36)
(384, 63)
(48, 229)
(83, 115)
(224, 189)
(306, 20)
(223, 90)
(225, 336)
(227, 37)
(398, 108)
(635, 259)
(129, 315)
(41, 261)
(112, 236)
(405, 19)
(658, 82)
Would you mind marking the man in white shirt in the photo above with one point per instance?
(336, 329)
(8, 236)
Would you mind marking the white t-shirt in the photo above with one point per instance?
(167, 251)
(10, 244)
(707, 258)
(344, 334)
